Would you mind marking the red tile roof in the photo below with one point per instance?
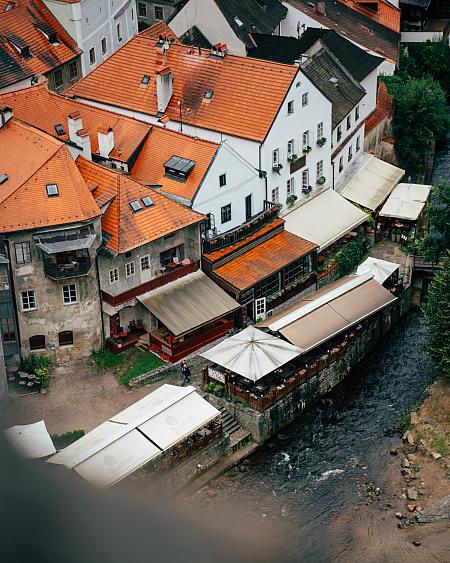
(157, 30)
(32, 160)
(19, 25)
(247, 93)
(382, 110)
(264, 260)
(161, 145)
(44, 109)
(127, 228)
(386, 14)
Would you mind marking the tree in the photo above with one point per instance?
(431, 58)
(437, 320)
(436, 243)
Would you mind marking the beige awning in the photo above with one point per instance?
(188, 303)
(370, 181)
(324, 219)
(332, 310)
(406, 201)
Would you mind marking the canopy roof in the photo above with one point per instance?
(406, 201)
(31, 440)
(188, 303)
(252, 353)
(381, 270)
(324, 219)
(137, 435)
(323, 314)
(369, 181)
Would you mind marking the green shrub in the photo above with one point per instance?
(405, 422)
(42, 375)
(350, 256)
(63, 440)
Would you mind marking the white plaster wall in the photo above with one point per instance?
(344, 153)
(368, 104)
(17, 86)
(206, 15)
(242, 180)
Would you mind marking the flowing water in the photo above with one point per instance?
(316, 471)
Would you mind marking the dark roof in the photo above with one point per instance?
(193, 36)
(354, 25)
(261, 16)
(288, 49)
(417, 3)
(344, 94)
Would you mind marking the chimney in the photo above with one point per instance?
(105, 140)
(164, 87)
(320, 8)
(5, 115)
(219, 51)
(75, 124)
(84, 141)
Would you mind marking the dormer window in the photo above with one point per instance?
(179, 167)
(208, 94)
(59, 129)
(52, 190)
(147, 201)
(145, 79)
(48, 32)
(135, 206)
(20, 45)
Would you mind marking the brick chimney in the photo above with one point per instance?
(105, 140)
(164, 87)
(321, 9)
(5, 115)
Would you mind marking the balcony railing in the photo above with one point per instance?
(80, 267)
(233, 236)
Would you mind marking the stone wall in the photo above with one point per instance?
(264, 425)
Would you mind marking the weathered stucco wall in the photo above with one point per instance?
(264, 425)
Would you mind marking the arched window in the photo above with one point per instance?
(65, 338)
(37, 342)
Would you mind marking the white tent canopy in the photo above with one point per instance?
(324, 219)
(369, 181)
(31, 440)
(252, 353)
(406, 201)
(137, 435)
(381, 270)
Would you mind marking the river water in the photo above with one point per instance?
(315, 473)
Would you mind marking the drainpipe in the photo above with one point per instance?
(13, 297)
(100, 297)
(332, 166)
(261, 173)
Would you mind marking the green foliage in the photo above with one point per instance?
(431, 58)
(437, 242)
(437, 319)
(40, 366)
(143, 364)
(350, 256)
(105, 359)
(215, 388)
(405, 422)
(61, 441)
(42, 375)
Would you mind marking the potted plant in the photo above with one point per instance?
(321, 141)
(321, 181)
(292, 158)
(290, 200)
(306, 149)
(277, 167)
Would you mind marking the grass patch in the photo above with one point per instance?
(440, 444)
(143, 364)
(105, 359)
(63, 440)
(405, 422)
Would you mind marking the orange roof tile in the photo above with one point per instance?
(161, 145)
(32, 160)
(127, 228)
(386, 14)
(382, 110)
(247, 93)
(20, 25)
(44, 109)
(157, 30)
(264, 260)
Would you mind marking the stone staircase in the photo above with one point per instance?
(239, 437)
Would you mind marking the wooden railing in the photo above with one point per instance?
(419, 263)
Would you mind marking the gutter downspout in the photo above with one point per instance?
(262, 174)
(97, 273)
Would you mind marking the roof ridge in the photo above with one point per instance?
(206, 141)
(341, 66)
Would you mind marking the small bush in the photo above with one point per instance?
(63, 440)
(405, 422)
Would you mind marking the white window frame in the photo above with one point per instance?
(146, 259)
(357, 113)
(319, 169)
(320, 130)
(290, 186)
(305, 99)
(129, 269)
(70, 300)
(113, 275)
(275, 157)
(18, 250)
(224, 176)
(275, 194)
(305, 139)
(27, 292)
(92, 60)
(290, 148)
(162, 12)
(305, 174)
(339, 133)
(358, 143)
(349, 122)
(260, 307)
(104, 46)
(139, 6)
(350, 153)
(290, 107)
(119, 32)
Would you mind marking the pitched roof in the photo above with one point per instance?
(247, 93)
(264, 260)
(378, 10)
(32, 160)
(358, 27)
(129, 229)
(44, 109)
(246, 16)
(289, 49)
(193, 36)
(25, 26)
(159, 147)
(344, 94)
(157, 30)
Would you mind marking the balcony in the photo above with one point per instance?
(239, 233)
(72, 267)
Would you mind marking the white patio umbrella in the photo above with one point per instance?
(379, 269)
(252, 353)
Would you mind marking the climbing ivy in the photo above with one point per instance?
(350, 256)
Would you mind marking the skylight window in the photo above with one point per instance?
(238, 21)
(20, 45)
(179, 167)
(208, 94)
(146, 79)
(135, 206)
(147, 201)
(9, 6)
(59, 129)
(3, 178)
(52, 190)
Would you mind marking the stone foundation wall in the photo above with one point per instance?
(264, 425)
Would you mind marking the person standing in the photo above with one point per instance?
(186, 373)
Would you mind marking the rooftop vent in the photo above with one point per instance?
(48, 32)
(59, 129)
(145, 79)
(3, 178)
(147, 201)
(179, 167)
(238, 21)
(208, 94)
(334, 81)
(219, 51)
(135, 206)
(52, 190)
